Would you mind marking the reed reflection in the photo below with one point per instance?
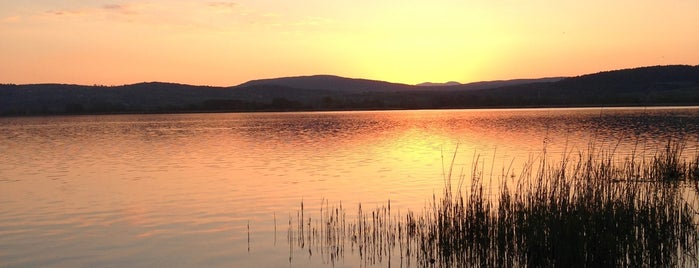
(189, 181)
(585, 210)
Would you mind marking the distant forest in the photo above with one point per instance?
(645, 86)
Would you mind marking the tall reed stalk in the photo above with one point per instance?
(586, 210)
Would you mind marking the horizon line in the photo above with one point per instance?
(337, 76)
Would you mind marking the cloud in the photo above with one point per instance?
(107, 9)
(66, 12)
(227, 5)
(205, 15)
(120, 8)
(113, 7)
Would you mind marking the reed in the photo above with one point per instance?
(588, 209)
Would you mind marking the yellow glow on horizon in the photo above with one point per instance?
(227, 43)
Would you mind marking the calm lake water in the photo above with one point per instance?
(209, 190)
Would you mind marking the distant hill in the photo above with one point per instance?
(656, 85)
(637, 79)
(430, 84)
(353, 86)
(489, 84)
(330, 82)
(499, 83)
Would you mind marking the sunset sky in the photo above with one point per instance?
(226, 43)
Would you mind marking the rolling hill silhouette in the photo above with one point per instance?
(330, 82)
(656, 85)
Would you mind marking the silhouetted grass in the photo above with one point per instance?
(587, 209)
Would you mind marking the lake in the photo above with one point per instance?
(219, 190)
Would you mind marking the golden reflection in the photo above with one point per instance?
(202, 177)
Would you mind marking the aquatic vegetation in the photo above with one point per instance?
(587, 209)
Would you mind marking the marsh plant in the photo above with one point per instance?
(589, 209)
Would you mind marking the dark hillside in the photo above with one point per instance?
(331, 83)
(638, 79)
(658, 85)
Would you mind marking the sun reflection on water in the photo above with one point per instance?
(184, 187)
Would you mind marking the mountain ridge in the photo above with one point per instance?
(327, 82)
(651, 85)
(433, 84)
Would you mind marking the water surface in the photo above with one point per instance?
(181, 190)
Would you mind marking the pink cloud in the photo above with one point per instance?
(223, 4)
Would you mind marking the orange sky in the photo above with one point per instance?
(226, 43)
